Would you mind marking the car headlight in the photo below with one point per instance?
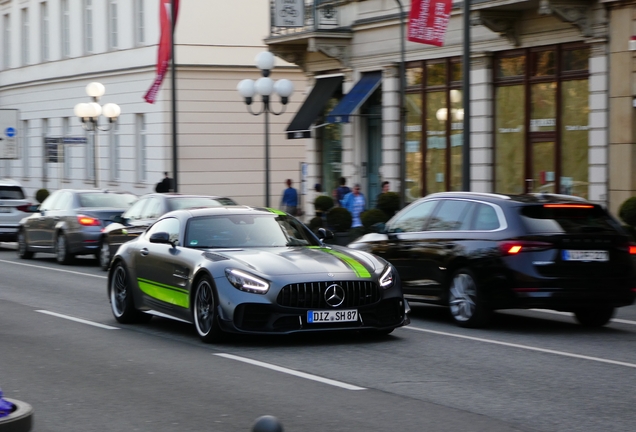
(246, 281)
(386, 278)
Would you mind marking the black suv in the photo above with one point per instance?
(477, 252)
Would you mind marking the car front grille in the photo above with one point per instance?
(312, 295)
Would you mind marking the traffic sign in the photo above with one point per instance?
(9, 133)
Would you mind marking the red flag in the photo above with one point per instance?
(165, 54)
(428, 20)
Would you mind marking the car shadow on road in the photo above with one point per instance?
(173, 328)
(518, 321)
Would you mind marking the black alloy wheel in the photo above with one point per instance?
(465, 300)
(204, 311)
(121, 298)
(594, 317)
(23, 247)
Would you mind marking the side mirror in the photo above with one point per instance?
(379, 228)
(34, 208)
(160, 237)
(324, 234)
(119, 219)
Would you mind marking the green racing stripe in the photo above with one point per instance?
(359, 269)
(275, 211)
(166, 293)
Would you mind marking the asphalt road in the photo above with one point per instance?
(63, 352)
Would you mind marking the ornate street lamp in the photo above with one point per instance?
(89, 114)
(265, 87)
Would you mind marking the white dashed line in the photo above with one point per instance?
(79, 320)
(291, 372)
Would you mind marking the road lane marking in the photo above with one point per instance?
(291, 372)
(54, 269)
(570, 314)
(525, 347)
(79, 320)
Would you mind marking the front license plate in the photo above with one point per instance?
(585, 255)
(332, 316)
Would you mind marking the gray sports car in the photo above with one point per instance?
(251, 270)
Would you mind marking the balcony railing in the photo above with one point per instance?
(317, 15)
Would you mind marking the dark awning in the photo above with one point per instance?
(356, 97)
(313, 106)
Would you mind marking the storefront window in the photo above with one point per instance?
(413, 183)
(509, 138)
(457, 139)
(543, 107)
(331, 152)
(574, 138)
(552, 154)
(435, 74)
(436, 117)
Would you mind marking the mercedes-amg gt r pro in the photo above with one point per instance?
(251, 270)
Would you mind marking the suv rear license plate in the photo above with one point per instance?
(5, 209)
(330, 316)
(585, 255)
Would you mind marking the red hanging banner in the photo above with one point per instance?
(428, 20)
(165, 54)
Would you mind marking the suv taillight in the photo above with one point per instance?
(513, 247)
(24, 208)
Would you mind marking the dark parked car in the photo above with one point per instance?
(144, 213)
(70, 222)
(13, 207)
(479, 252)
(247, 270)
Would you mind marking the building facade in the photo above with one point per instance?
(52, 49)
(551, 98)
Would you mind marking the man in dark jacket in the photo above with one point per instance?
(164, 185)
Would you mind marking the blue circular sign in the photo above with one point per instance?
(10, 132)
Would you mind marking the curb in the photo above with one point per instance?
(20, 420)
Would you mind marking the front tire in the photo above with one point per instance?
(62, 254)
(121, 298)
(104, 255)
(594, 317)
(23, 247)
(204, 311)
(466, 301)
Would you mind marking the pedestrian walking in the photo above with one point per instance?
(342, 191)
(289, 201)
(356, 203)
(164, 185)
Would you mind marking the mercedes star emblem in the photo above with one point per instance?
(334, 295)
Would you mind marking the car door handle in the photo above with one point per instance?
(144, 251)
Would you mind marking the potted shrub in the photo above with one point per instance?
(41, 195)
(389, 203)
(339, 220)
(372, 217)
(323, 204)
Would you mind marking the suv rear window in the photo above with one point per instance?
(570, 219)
(11, 192)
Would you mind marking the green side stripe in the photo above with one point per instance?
(166, 293)
(275, 211)
(358, 268)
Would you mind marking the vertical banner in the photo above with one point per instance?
(428, 20)
(165, 42)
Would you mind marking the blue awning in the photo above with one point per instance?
(355, 98)
(325, 87)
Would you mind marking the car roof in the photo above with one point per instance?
(9, 182)
(226, 210)
(80, 191)
(530, 198)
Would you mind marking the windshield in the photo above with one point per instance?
(106, 199)
(178, 203)
(230, 231)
